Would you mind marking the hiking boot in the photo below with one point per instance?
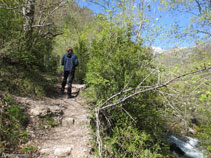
(70, 96)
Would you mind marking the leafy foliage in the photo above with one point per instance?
(115, 64)
(34, 49)
(199, 12)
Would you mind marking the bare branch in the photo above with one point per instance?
(145, 79)
(152, 88)
(42, 25)
(205, 32)
(199, 5)
(97, 3)
(173, 107)
(107, 119)
(130, 89)
(18, 7)
(119, 93)
(128, 114)
(54, 10)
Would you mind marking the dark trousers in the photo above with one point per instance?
(70, 76)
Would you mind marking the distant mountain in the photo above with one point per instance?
(182, 54)
(157, 50)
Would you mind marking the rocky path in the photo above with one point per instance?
(71, 138)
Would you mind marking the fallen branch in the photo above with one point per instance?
(42, 25)
(99, 141)
(150, 89)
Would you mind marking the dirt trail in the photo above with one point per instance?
(71, 138)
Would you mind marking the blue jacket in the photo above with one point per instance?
(69, 61)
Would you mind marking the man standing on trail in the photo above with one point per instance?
(69, 61)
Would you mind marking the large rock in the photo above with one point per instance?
(39, 111)
(55, 110)
(62, 151)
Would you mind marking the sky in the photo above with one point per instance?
(163, 20)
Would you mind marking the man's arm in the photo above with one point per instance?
(76, 61)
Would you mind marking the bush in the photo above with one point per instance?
(81, 51)
(115, 64)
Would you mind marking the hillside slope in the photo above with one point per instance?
(183, 55)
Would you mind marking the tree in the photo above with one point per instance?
(28, 13)
(134, 15)
(199, 12)
(28, 31)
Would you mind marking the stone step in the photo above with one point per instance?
(82, 121)
(69, 121)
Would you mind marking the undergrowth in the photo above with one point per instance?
(19, 80)
(22, 81)
(13, 121)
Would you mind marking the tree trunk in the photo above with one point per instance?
(28, 12)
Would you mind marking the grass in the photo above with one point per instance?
(47, 122)
(29, 149)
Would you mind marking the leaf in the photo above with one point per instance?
(203, 97)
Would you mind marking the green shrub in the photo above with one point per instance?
(81, 51)
(115, 64)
